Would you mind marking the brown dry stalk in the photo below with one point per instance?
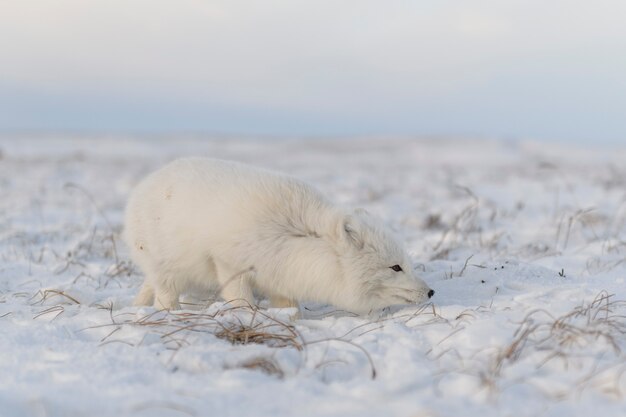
(267, 365)
(54, 309)
(46, 294)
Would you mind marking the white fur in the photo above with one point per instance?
(199, 224)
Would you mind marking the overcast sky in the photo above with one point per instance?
(512, 69)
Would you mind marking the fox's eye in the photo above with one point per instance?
(396, 268)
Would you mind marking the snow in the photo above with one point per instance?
(524, 244)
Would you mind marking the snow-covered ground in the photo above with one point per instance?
(525, 245)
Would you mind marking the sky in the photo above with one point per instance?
(486, 68)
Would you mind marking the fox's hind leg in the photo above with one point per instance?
(278, 301)
(235, 286)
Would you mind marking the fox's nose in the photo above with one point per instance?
(431, 293)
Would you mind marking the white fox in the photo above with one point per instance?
(203, 224)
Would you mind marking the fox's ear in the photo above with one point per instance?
(351, 231)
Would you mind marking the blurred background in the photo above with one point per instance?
(542, 70)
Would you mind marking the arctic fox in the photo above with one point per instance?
(202, 224)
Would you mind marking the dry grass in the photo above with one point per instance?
(237, 325)
(467, 227)
(587, 343)
(244, 326)
(594, 330)
(263, 364)
(43, 296)
(46, 295)
(56, 310)
(583, 327)
(237, 328)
